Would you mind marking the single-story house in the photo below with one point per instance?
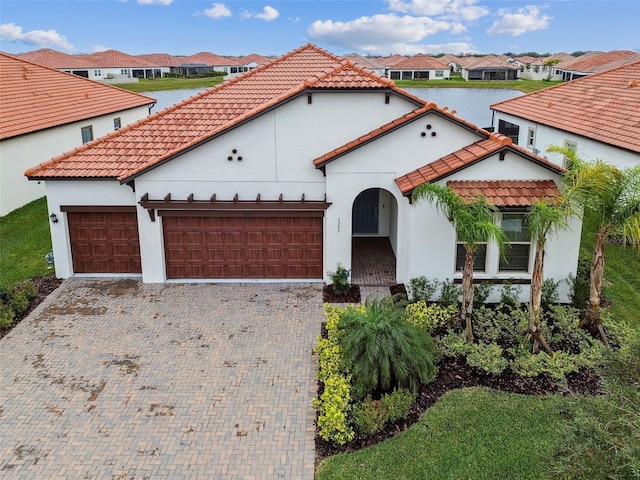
(598, 116)
(419, 67)
(118, 65)
(489, 67)
(44, 112)
(65, 63)
(596, 62)
(270, 176)
(370, 63)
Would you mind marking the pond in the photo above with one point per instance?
(472, 104)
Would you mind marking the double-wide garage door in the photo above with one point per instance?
(104, 242)
(251, 246)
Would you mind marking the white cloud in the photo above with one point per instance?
(526, 19)
(11, 32)
(456, 48)
(376, 32)
(268, 14)
(154, 2)
(99, 48)
(466, 10)
(217, 10)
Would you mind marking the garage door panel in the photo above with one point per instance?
(104, 242)
(248, 246)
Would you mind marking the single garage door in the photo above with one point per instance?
(251, 246)
(104, 242)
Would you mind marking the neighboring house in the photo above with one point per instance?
(368, 63)
(44, 112)
(120, 66)
(213, 62)
(596, 62)
(164, 61)
(489, 67)
(270, 176)
(452, 61)
(599, 116)
(64, 63)
(419, 67)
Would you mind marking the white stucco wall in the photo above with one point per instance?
(587, 149)
(79, 193)
(26, 151)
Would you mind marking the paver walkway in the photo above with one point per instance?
(115, 379)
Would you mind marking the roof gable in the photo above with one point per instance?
(115, 59)
(54, 59)
(164, 135)
(465, 157)
(420, 61)
(34, 97)
(507, 193)
(604, 107)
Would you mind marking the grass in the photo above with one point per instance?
(160, 84)
(525, 86)
(24, 241)
(474, 433)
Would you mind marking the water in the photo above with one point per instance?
(472, 104)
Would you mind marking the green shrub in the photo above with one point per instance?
(334, 407)
(371, 416)
(383, 350)
(510, 294)
(550, 294)
(340, 280)
(422, 289)
(481, 292)
(503, 325)
(6, 315)
(450, 293)
(487, 357)
(430, 317)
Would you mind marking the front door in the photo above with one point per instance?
(365, 213)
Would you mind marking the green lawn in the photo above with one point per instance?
(474, 433)
(522, 85)
(24, 241)
(159, 84)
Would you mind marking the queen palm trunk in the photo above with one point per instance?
(593, 320)
(467, 292)
(535, 301)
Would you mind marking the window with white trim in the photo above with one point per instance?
(531, 138)
(439, 73)
(517, 253)
(117, 123)
(87, 134)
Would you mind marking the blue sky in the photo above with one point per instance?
(235, 27)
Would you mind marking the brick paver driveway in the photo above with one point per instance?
(115, 379)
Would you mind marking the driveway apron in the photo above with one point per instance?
(116, 379)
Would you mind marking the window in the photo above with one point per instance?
(439, 73)
(97, 73)
(572, 147)
(395, 75)
(407, 75)
(531, 138)
(479, 263)
(87, 134)
(516, 256)
(509, 129)
(117, 123)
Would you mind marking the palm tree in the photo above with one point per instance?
(612, 200)
(475, 225)
(542, 219)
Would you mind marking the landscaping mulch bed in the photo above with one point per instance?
(44, 287)
(329, 295)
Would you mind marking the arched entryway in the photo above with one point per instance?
(374, 238)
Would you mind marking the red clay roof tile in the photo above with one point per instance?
(34, 97)
(144, 144)
(604, 107)
(507, 193)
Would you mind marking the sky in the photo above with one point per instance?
(385, 27)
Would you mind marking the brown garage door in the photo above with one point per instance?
(243, 247)
(104, 242)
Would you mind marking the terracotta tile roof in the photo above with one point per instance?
(428, 107)
(211, 59)
(161, 59)
(420, 61)
(366, 62)
(34, 97)
(604, 107)
(392, 60)
(464, 157)
(596, 62)
(489, 61)
(507, 193)
(54, 59)
(254, 57)
(137, 147)
(115, 59)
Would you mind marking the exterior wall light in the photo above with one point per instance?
(54, 218)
